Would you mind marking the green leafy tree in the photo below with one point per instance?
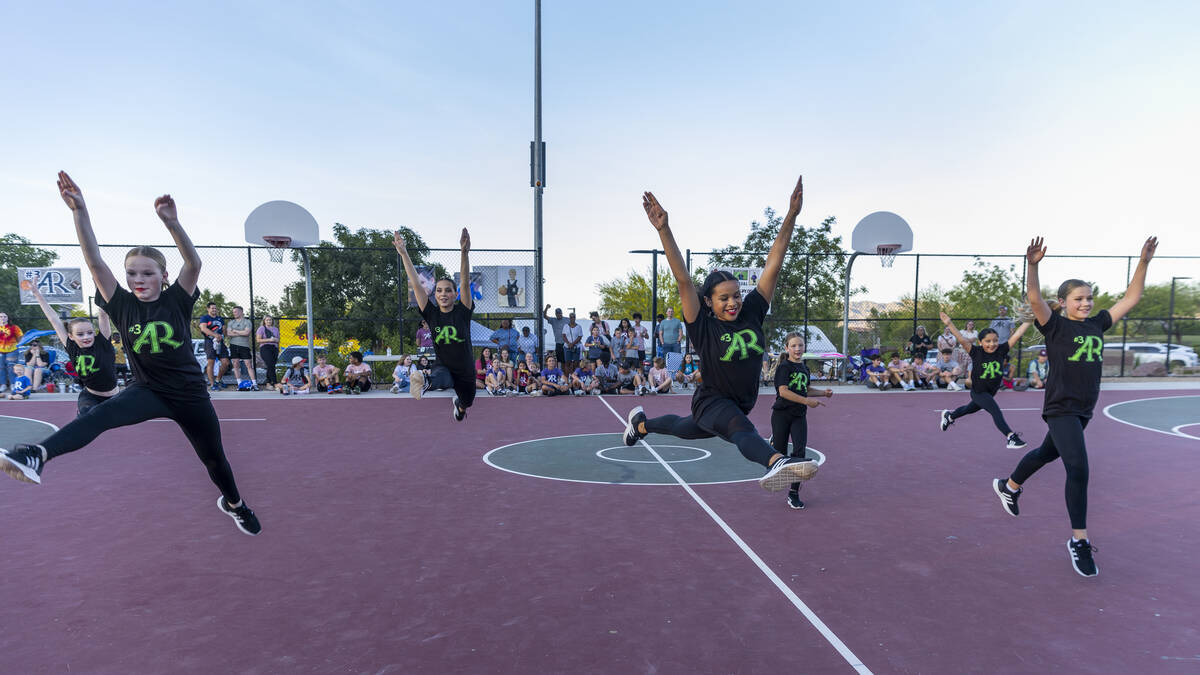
(354, 290)
(622, 297)
(1148, 320)
(983, 287)
(17, 251)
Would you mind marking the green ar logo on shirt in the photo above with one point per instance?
(798, 381)
(148, 334)
(740, 342)
(1091, 349)
(991, 369)
(446, 335)
(85, 364)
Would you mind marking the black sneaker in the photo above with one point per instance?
(636, 418)
(246, 520)
(786, 471)
(946, 420)
(1015, 442)
(1081, 557)
(794, 497)
(1008, 498)
(24, 462)
(459, 411)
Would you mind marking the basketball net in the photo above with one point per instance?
(277, 244)
(887, 253)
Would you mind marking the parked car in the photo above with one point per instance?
(1156, 352)
(260, 374)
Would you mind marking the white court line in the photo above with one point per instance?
(1172, 432)
(222, 419)
(30, 419)
(1176, 430)
(824, 630)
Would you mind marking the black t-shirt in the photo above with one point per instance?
(1075, 351)
(731, 352)
(987, 370)
(794, 376)
(215, 323)
(96, 366)
(920, 344)
(451, 335)
(157, 337)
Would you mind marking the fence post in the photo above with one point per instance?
(1125, 322)
(916, 293)
(400, 302)
(253, 336)
(1021, 342)
(653, 301)
(807, 272)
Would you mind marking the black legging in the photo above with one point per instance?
(138, 403)
(269, 354)
(983, 401)
(717, 416)
(464, 387)
(1065, 440)
(787, 425)
(87, 400)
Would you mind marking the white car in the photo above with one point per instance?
(1156, 352)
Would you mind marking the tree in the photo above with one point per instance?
(17, 251)
(354, 287)
(812, 276)
(622, 297)
(1149, 319)
(982, 290)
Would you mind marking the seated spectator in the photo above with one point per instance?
(877, 374)
(606, 376)
(898, 372)
(496, 379)
(922, 374)
(421, 377)
(508, 364)
(525, 382)
(583, 380)
(22, 386)
(402, 375)
(688, 373)
(1039, 370)
(295, 380)
(658, 381)
(769, 364)
(920, 342)
(358, 374)
(553, 382)
(628, 382)
(949, 370)
(37, 364)
(531, 363)
(481, 366)
(325, 376)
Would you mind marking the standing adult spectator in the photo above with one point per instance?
(572, 337)
(506, 337)
(239, 330)
(527, 344)
(1002, 324)
(10, 335)
(602, 326)
(596, 345)
(268, 347)
(424, 339)
(670, 333)
(969, 333)
(556, 326)
(1039, 370)
(212, 326)
(920, 343)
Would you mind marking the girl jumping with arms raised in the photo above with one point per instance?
(1074, 346)
(987, 362)
(93, 354)
(154, 319)
(727, 331)
(450, 321)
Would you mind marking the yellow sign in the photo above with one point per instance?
(288, 337)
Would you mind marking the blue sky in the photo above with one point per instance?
(981, 123)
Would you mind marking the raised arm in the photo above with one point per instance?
(1137, 284)
(414, 282)
(1016, 336)
(687, 290)
(189, 275)
(962, 341)
(103, 277)
(464, 280)
(105, 326)
(770, 274)
(1033, 286)
(59, 329)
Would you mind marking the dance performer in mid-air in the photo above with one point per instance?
(727, 331)
(154, 319)
(91, 352)
(1075, 347)
(987, 363)
(793, 398)
(450, 321)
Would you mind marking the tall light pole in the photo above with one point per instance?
(1171, 321)
(537, 168)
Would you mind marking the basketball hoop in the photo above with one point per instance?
(887, 253)
(277, 244)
